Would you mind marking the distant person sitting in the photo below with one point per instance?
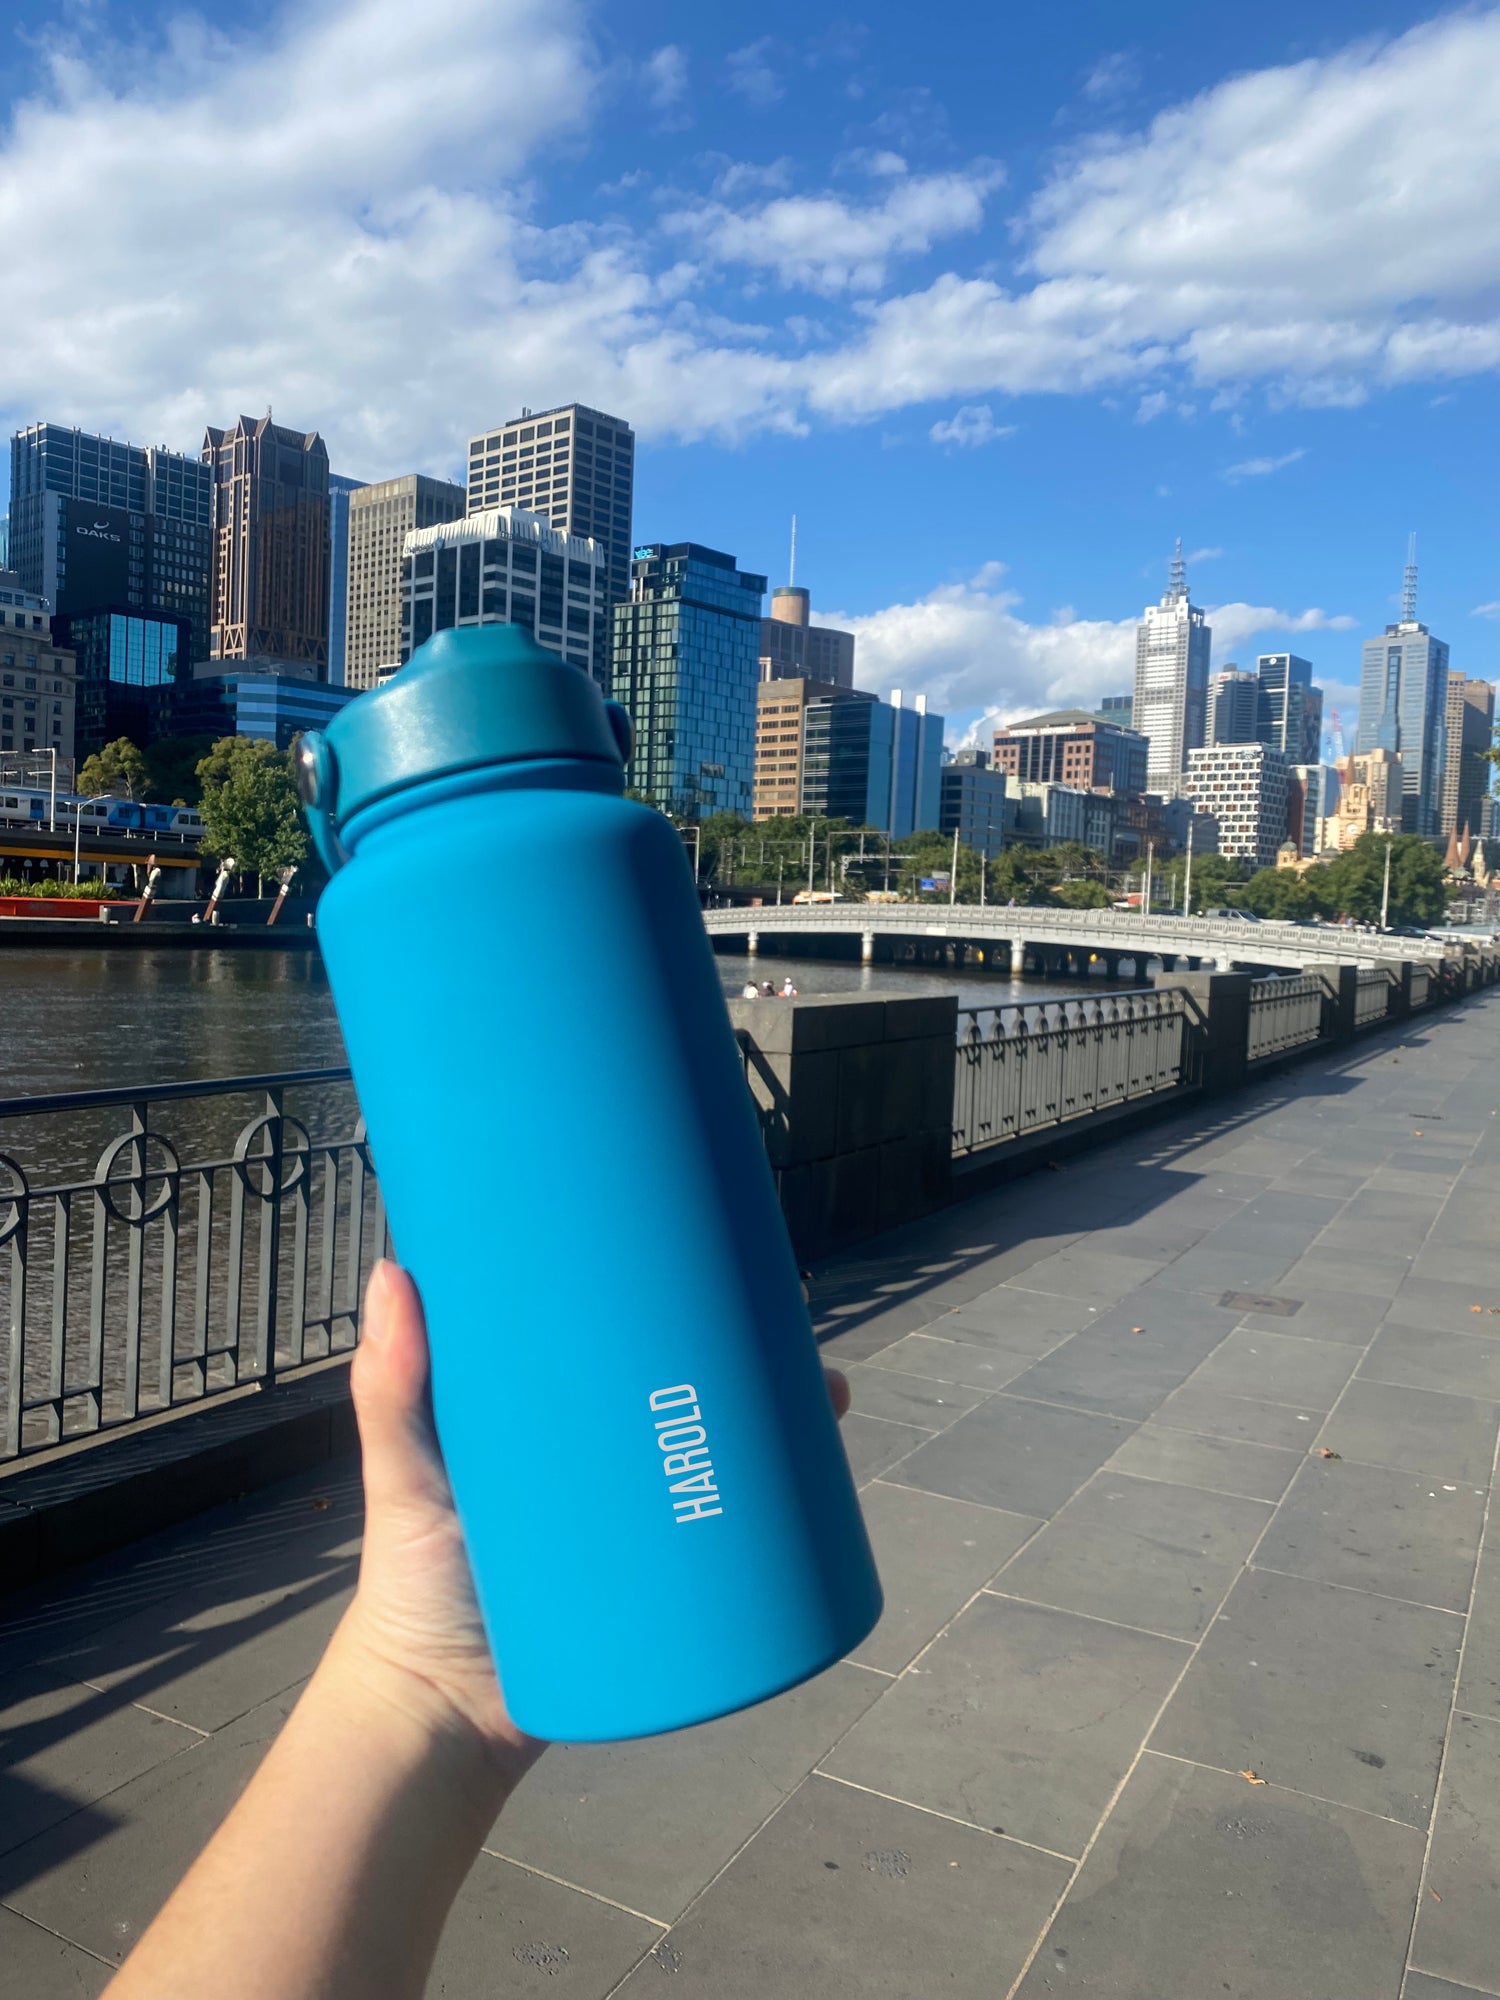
(767, 991)
(788, 991)
(749, 991)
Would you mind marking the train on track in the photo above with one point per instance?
(23, 808)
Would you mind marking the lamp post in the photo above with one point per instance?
(1187, 880)
(97, 799)
(953, 873)
(1385, 891)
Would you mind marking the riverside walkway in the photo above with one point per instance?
(1178, 1468)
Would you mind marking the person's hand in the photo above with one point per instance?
(413, 1632)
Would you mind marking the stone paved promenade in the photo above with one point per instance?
(1166, 1705)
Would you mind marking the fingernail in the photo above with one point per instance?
(375, 1326)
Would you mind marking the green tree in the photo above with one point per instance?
(1081, 895)
(1218, 883)
(1353, 881)
(250, 807)
(172, 766)
(119, 768)
(1283, 894)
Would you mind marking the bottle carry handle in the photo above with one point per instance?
(317, 787)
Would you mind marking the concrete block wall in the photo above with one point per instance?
(856, 1100)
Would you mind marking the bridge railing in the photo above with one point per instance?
(1284, 1014)
(160, 1246)
(1375, 994)
(1041, 1063)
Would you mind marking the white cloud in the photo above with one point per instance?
(666, 77)
(754, 75)
(334, 212)
(1261, 468)
(973, 424)
(1114, 75)
(829, 245)
(1491, 610)
(980, 663)
(1203, 555)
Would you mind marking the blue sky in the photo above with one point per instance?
(998, 312)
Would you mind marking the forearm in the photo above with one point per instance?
(332, 1877)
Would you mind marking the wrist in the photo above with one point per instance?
(409, 1710)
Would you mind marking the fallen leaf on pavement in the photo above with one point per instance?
(1434, 1895)
(1137, 1329)
(1251, 1778)
(1324, 1452)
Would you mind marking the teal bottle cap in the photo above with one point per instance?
(488, 694)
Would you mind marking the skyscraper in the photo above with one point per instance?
(1233, 707)
(686, 666)
(780, 713)
(100, 525)
(793, 648)
(380, 519)
(272, 546)
(1290, 715)
(1470, 729)
(1172, 645)
(875, 763)
(1403, 700)
(576, 468)
(504, 567)
(339, 491)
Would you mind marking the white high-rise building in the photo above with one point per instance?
(506, 567)
(1244, 786)
(1172, 644)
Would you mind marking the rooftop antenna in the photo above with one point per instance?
(791, 575)
(1178, 587)
(1409, 582)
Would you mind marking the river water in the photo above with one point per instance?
(97, 1018)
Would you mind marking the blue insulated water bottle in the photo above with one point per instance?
(657, 1508)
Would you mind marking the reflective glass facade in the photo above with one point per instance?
(127, 667)
(1403, 699)
(686, 662)
(272, 707)
(873, 762)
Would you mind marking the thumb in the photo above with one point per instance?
(402, 1464)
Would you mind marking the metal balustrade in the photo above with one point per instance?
(176, 1268)
(1372, 1000)
(1284, 1014)
(1421, 985)
(1041, 1063)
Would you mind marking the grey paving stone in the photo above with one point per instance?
(1373, 1205)
(1274, 1368)
(39, 1966)
(1139, 1552)
(1097, 1277)
(870, 1898)
(1023, 1320)
(933, 1553)
(1416, 1430)
(1218, 1465)
(1457, 1938)
(1425, 1357)
(1117, 1372)
(1200, 1884)
(1018, 1718)
(211, 1657)
(62, 1746)
(908, 1399)
(510, 1931)
(1421, 1986)
(1327, 1691)
(1211, 1272)
(101, 1876)
(1314, 1178)
(1374, 1528)
(1452, 1264)
(1364, 1271)
(938, 1359)
(872, 1444)
(594, 1814)
(1479, 1680)
(1194, 1407)
(1021, 1456)
(1439, 1302)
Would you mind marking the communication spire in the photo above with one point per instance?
(1409, 582)
(791, 574)
(1178, 586)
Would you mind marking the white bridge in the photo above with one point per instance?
(1065, 937)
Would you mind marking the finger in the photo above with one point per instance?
(839, 1393)
(389, 1384)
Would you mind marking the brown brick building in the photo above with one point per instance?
(1071, 747)
(271, 530)
(780, 712)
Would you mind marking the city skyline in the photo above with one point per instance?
(818, 275)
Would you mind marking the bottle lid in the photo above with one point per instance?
(486, 694)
